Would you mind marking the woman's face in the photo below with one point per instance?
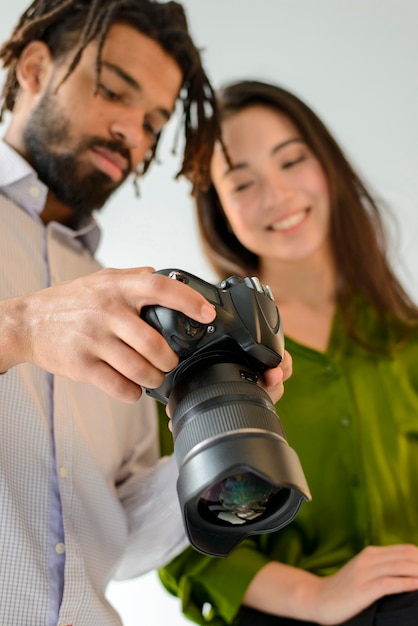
(275, 195)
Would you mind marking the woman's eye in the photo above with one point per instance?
(242, 187)
(292, 162)
(108, 93)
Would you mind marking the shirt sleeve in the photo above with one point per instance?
(211, 589)
(155, 526)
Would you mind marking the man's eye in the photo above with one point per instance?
(149, 128)
(108, 93)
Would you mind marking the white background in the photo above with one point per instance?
(355, 62)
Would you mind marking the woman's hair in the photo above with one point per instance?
(357, 231)
(68, 26)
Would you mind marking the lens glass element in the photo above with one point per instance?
(237, 499)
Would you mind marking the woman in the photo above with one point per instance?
(285, 205)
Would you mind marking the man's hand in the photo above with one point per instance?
(90, 330)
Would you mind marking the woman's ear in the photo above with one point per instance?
(33, 67)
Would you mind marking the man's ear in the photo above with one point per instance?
(34, 66)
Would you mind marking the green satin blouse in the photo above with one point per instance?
(351, 415)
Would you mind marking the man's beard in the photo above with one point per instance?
(46, 137)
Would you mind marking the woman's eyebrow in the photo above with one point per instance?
(283, 144)
(234, 167)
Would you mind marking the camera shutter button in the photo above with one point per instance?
(192, 327)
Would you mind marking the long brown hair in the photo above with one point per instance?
(68, 26)
(357, 228)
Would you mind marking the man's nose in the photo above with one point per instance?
(130, 131)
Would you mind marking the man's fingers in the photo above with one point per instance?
(114, 383)
(176, 295)
(143, 339)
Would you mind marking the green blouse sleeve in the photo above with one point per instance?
(211, 589)
(165, 436)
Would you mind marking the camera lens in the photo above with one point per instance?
(237, 499)
(237, 474)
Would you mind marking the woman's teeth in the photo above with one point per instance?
(289, 222)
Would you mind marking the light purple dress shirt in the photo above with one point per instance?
(20, 183)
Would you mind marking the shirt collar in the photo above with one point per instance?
(20, 183)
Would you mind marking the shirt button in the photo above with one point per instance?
(206, 610)
(60, 548)
(34, 191)
(345, 422)
(63, 471)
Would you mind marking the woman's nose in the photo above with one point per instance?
(276, 190)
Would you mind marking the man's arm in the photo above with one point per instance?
(90, 329)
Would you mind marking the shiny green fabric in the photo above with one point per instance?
(352, 417)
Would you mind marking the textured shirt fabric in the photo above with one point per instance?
(120, 512)
(352, 417)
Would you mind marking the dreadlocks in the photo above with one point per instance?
(68, 26)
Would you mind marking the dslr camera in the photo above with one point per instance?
(237, 474)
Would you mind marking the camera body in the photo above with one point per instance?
(237, 474)
(246, 328)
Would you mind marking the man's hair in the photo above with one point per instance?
(68, 26)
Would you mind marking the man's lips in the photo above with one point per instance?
(111, 163)
(289, 222)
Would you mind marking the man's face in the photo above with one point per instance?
(84, 144)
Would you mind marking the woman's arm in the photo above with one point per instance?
(328, 600)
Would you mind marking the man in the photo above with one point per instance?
(90, 86)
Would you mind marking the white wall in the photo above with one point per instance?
(355, 62)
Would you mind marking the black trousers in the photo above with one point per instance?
(397, 610)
